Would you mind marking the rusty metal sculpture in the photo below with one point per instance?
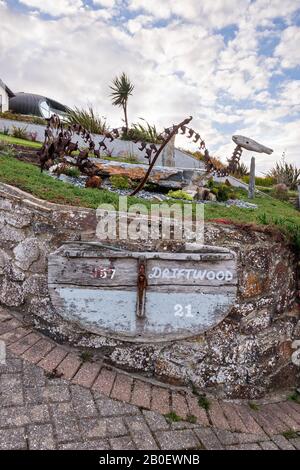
(58, 144)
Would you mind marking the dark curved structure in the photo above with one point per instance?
(36, 105)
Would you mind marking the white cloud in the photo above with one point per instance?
(217, 13)
(288, 49)
(180, 67)
(55, 8)
(105, 3)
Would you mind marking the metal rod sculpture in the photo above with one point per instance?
(58, 144)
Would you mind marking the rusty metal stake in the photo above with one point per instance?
(141, 288)
(170, 136)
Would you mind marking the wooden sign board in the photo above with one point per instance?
(142, 296)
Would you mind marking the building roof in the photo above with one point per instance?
(31, 104)
(8, 90)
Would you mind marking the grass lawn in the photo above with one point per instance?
(8, 139)
(29, 178)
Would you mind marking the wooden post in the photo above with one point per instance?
(168, 155)
(251, 189)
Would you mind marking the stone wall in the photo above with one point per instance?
(246, 355)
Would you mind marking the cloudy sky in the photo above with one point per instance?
(234, 65)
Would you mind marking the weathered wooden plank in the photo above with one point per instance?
(167, 314)
(123, 272)
(184, 293)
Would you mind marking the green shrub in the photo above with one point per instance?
(20, 133)
(7, 149)
(87, 119)
(72, 171)
(120, 182)
(179, 194)
(146, 133)
(267, 181)
(23, 118)
(285, 173)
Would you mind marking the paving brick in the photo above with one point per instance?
(251, 425)
(179, 405)
(266, 423)
(98, 444)
(282, 442)
(277, 410)
(53, 359)
(160, 400)
(11, 390)
(268, 445)
(103, 427)
(87, 374)
(83, 402)
(69, 366)
(177, 440)
(295, 443)
(22, 415)
(40, 437)
(56, 393)
(33, 376)
(14, 335)
(228, 438)
(208, 439)
(269, 423)
(122, 388)
(196, 410)
(109, 407)
(122, 443)
(12, 366)
(233, 418)
(155, 421)
(140, 433)
(8, 325)
(141, 394)
(244, 447)
(217, 416)
(65, 422)
(38, 351)
(20, 346)
(38, 413)
(4, 315)
(291, 410)
(12, 439)
(104, 381)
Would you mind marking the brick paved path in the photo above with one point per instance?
(86, 405)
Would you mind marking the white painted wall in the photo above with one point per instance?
(4, 100)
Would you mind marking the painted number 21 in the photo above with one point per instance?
(183, 311)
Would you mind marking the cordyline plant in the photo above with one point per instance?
(59, 144)
(285, 173)
(122, 88)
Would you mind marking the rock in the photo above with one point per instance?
(11, 234)
(93, 182)
(11, 294)
(4, 260)
(191, 191)
(165, 177)
(26, 253)
(18, 219)
(255, 322)
(36, 285)
(13, 273)
(211, 197)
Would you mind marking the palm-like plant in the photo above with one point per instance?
(122, 88)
